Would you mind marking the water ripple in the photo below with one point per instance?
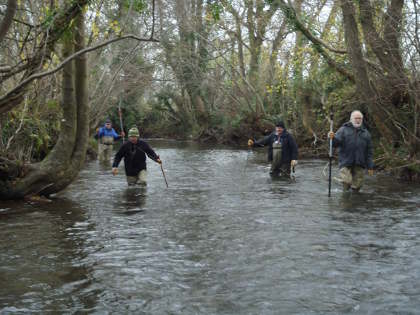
(223, 239)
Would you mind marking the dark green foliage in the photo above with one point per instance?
(136, 5)
(49, 17)
(215, 9)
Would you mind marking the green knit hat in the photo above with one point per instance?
(133, 132)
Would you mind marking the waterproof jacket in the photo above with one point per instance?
(134, 157)
(289, 150)
(105, 132)
(355, 146)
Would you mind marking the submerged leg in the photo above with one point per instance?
(357, 178)
(108, 153)
(274, 169)
(131, 180)
(101, 152)
(142, 178)
(346, 178)
(285, 170)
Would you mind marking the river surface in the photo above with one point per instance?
(224, 238)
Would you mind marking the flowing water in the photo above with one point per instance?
(224, 238)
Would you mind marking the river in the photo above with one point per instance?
(224, 238)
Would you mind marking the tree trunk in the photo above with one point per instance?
(8, 18)
(364, 88)
(63, 163)
(189, 57)
(257, 21)
(387, 50)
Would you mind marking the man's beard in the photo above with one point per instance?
(356, 125)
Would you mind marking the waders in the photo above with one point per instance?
(163, 173)
(277, 168)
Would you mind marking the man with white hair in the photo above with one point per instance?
(355, 151)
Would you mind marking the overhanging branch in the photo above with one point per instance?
(293, 17)
(320, 45)
(39, 75)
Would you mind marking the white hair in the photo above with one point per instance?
(355, 112)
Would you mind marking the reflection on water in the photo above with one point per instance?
(133, 200)
(41, 250)
(224, 238)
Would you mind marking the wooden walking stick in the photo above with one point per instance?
(163, 173)
(120, 114)
(330, 155)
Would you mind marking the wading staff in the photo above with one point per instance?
(330, 155)
(163, 173)
(120, 114)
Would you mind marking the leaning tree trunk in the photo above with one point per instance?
(63, 163)
(74, 163)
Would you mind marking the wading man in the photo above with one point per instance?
(106, 137)
(134, 152)
(355, 151)
(282, 150)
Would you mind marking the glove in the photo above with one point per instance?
(293, 163)
(370, 172)
(114, 171)
(331, 135)
(250, 143)
(159, 161)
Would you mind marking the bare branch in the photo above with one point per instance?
(293, 16)
(39, 75)
(9, 142)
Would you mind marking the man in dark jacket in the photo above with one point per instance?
(282, 150)
(134, 153)
(355, 151)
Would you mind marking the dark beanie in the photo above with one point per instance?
(280, 124)
(108, 121)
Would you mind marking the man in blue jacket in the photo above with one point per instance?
(106, 136)
(355, 151)
(282, 150)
